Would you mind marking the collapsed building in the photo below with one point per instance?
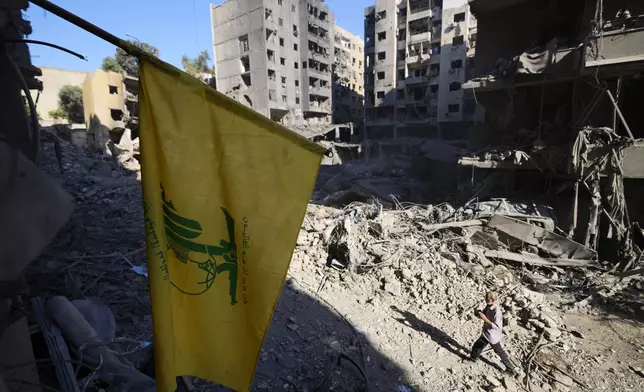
(561, 91)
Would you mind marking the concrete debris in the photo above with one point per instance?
(124, 154)
(392, 285)
(545, 240)
(510, 384)
(492, 380)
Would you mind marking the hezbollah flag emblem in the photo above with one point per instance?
(225, 191)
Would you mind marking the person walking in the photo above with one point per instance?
(492, 332)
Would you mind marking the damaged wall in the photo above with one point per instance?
(531, 22)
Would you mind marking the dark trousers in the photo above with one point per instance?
(480, 345)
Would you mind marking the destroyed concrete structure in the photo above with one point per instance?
(348, 78)
(562, 93)
(110, 101)
(276, 57)
(52, 80)
(417, 55)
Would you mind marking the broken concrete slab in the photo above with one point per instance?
(549, 242)
(529, 258)
(485, 237)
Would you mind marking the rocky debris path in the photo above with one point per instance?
(415, 319)
(372, 300)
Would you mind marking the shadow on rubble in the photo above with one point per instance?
(439, 336)
(309, 346)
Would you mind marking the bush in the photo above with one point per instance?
(70, 101)
(57, 114)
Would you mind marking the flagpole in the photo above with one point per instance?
(90, 28)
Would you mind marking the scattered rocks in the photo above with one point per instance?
(552, 333)
(493, 381)
(393, 287)
(510, 384)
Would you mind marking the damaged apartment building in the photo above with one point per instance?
(277, 57)
(417, 55)
(348, 78)
(562, 84)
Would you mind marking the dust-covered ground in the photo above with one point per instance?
(372, 302)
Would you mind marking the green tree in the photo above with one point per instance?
(70, 102)
(110, 64)
(197, 65)
(124, 62)
(57, 114)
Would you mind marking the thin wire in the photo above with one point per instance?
(33, 41)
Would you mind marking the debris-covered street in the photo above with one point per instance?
(380, 295)
(312, 196)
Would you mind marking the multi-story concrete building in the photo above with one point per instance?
(562, 91)
(416, 57)
(348, 78)
(275, 57)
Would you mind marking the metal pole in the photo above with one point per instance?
(619, 113)
(618, 89)
(90, 28)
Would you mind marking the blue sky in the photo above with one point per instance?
(175, 27)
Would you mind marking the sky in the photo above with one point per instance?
(175, 27)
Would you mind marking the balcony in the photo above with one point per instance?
(319, 107)
(418, 6)
(417, 79)
(317, 21)
(425, 12)
(324, 58)
(410, 100)
(420, 37)
(323, 41)
(615, 47)
(324, 91)
(417, 58)
(431, 120)
(325, 75)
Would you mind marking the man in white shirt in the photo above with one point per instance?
(492, 332)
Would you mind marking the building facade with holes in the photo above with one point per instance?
(275, 56)
(348, 78)
(417, 55)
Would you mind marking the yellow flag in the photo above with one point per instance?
(225, 191)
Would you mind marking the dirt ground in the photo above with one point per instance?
(405, 327)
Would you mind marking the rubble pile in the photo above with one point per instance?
(437, 259)
(381, 291)
(407, 256)
(386, 180)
